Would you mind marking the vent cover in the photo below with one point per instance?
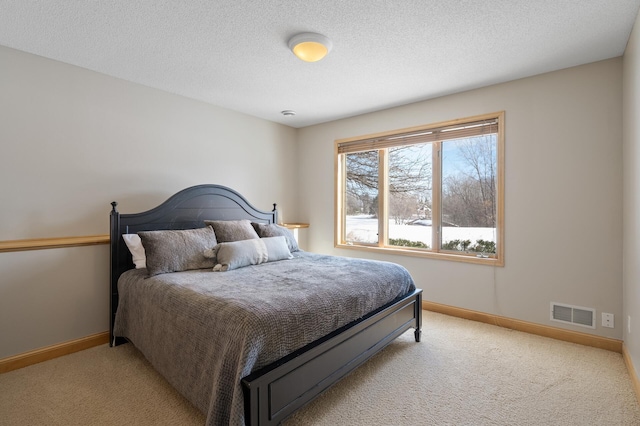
(585, 317)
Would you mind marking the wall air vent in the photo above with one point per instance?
(584, 317)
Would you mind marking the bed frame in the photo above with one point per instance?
(276, 391)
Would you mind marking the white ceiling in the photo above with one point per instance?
(234, 54)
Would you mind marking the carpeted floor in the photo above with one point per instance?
(462, 373)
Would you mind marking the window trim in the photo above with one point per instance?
(340, 195)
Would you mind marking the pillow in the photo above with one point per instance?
(273, 230)
(175, 251)
(136, 248)
(236, 254)
(232, 230)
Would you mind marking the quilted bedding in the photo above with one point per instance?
(204, 331)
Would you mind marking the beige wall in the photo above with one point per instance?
(73, 141)
(631, 207)
(563, 176)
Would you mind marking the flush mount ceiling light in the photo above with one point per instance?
(288, 113)
(310, 47)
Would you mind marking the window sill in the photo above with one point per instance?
(465, 258)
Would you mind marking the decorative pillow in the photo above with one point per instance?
(177, 250)
(273, 230)
(136, 248)
(236, 254)
(232, 230)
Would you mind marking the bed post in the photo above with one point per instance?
(418, 329)
(275, 214)
(113, 290)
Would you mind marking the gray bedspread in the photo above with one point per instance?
(204, 331)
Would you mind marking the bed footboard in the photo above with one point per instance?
(276, 391)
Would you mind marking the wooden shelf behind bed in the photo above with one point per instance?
(48, 243)
(295, 225)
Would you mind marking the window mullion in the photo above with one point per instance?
(341, 201)
(383, 204)
(436, 195)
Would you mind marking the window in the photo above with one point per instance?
(432, 191)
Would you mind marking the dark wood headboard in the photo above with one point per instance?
(185, 210)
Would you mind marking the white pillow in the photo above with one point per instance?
(134, 243)
(236, 254)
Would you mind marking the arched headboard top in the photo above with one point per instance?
(186, 209)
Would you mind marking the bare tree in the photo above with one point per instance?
(403, 207)
(409, 170)
(469, 198)
(480, 155)
(409, 180)
(362, 173)
(462, 203)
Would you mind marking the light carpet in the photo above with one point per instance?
(462, 373)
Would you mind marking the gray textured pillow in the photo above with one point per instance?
(232, 230)
(237, 254)
(174, 251)
(273, 230)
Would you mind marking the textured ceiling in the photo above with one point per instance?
(234, 53)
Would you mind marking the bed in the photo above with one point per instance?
(252, 354)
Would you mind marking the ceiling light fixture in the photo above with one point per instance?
(288, 113)
(310, 47)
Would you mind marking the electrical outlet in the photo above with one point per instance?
(607, 320)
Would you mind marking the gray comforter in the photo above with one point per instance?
(204, 331)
